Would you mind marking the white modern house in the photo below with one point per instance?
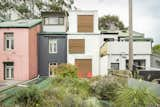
(117, 48)
(84, 41)
(98, 52)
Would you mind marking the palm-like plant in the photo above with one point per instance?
(140, 97)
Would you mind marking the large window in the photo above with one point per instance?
(138, 64)
(52, 46)
(115, 66)
(9, 41)
(54, 20)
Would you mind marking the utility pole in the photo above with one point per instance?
(130, 37)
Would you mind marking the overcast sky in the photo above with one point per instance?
(146, 13)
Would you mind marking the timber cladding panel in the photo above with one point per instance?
(76, 46)
(84, 66)
(85, 23)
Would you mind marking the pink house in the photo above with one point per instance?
(18, 49)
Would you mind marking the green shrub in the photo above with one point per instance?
(67, 92)
(66, 70)
(140, 97)
(76, 86)
(28, 97)
(105, 88)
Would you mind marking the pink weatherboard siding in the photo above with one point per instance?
(24, 54)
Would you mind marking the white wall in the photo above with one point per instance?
(92, 46)
(56, 28)
(122, 61)
(104, 65)
(139, 47)
(73, 20)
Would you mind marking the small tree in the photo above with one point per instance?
(110, 23)
(66, 70)
(156, 49)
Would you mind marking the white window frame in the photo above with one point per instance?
(55, 64)
(54, 47)
(9, 37)
(10, 75)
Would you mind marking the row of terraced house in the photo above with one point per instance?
(30, 47)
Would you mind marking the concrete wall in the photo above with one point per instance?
(139, 47)
(92, 46)
(43, 54)
(73, 20)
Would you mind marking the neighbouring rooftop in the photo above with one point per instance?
(24, 23)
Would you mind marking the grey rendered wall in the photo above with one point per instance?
(44, 57)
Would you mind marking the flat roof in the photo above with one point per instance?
(52, 33)
(24, 23)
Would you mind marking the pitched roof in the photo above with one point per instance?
(24, 23)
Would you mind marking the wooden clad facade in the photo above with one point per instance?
(85, 23)
(76, 46)
(84, 66)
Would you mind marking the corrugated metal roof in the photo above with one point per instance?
(24, 23)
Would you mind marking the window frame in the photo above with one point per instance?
(115, 64)
(55, 64)
(8, 36)
(53, 42)
(58, 23)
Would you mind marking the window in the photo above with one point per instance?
(54, 20)
(115, 66)
(76, 46)
(9, 41)
(52, 66)
(138, 64)
(52, 46)
(108, 39)
(8, 70)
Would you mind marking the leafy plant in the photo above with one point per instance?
(28, 97)
(66, 70)
(105, 88)
(67, 92)
(110, 22)
(156, 49)
(131, 97)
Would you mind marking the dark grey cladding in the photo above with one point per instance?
(43, 54)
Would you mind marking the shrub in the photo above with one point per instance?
(140, 97)
(66, 70)
(67, 92)
(28, 97)
(105, 88)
